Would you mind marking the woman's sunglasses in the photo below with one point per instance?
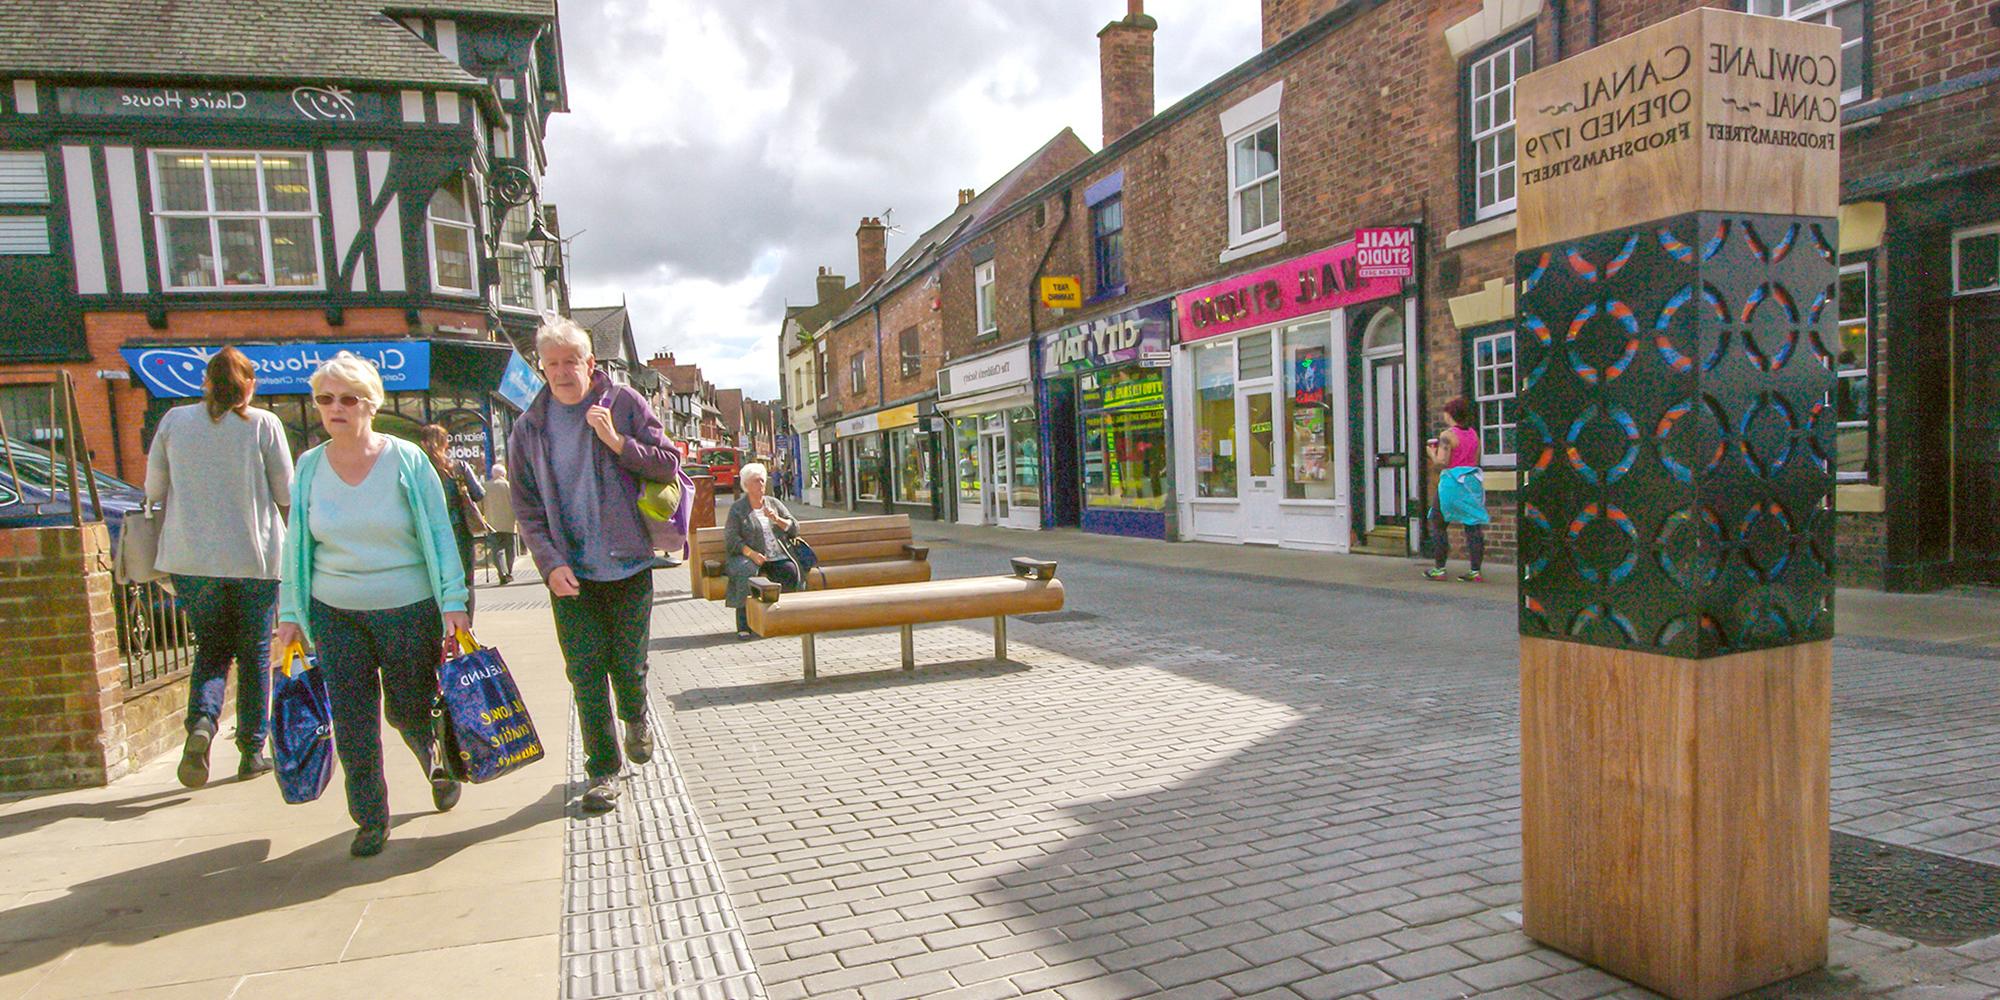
(325, 399)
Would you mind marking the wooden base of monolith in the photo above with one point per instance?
(1674, 812)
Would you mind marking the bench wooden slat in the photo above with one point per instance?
(868, 574)
(904, 604)
(834, 555)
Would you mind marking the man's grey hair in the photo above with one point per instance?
(561, 331)
(755, 470)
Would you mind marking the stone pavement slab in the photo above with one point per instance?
(1191, 769)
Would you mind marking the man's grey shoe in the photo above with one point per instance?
(602, 796)
(638, 742)
(193, 771)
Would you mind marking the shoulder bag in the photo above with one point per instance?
(138, 547)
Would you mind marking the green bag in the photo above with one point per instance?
(659, 501)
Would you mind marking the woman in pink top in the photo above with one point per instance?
(1461, 492)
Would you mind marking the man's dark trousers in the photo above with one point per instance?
(603, 632)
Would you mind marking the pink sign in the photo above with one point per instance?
(1298, 287)
(1386, 253)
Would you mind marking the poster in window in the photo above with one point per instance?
(1309, 376)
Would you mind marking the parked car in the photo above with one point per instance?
(34, 492)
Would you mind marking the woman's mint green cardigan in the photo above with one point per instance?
(426, 496)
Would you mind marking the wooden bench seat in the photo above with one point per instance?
(853, 552)
(1032, 587)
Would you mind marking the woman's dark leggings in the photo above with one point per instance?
(1475, 540)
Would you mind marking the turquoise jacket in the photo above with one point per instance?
(426, 496)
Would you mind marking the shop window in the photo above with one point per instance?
(1124, 418)
(984, 301)
(519, 280)
(1850, 16)
(868, 467)
(857, 372)
(1489, 126)
(1854, 389)
(912, 456)
(1025, 455)
(965, 452)
(1107, 233)
(911, 354)
(1215, 420)
(1493, 389)
(1254, 208)
(1308, 411)
(236, 220)
(451, 238)
(24, 181)
(1975, 260)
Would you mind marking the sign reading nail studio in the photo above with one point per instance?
(1298, 287)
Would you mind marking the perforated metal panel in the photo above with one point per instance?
(1675, 438)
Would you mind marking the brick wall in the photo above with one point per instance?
(1860, 539)
(60, 674)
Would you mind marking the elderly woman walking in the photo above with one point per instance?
(373, 580)
(753, 539)
(224, 472)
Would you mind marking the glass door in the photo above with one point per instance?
(993, 461)
(1257, 468)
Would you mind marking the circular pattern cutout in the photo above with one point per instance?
(1611, 515)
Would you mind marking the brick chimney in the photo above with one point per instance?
(827, 285)
(1125, 70)
(871, 242)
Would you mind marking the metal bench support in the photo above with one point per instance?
(1000, 637)
(812, 669)
(909, 648)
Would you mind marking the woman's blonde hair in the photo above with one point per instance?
(754, 469)
(358, 374)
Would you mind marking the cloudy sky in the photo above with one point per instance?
(720, 151)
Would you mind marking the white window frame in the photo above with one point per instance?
(1237, 185)
(1865, 371)
(468, 191)
(1821, 12)
(1513, 52)
(983, 299)
(857, 372)
(517, 251)
(263, 215)
(1958, 238)
(1504, 403)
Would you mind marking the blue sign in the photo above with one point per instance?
(282, 369)
(520, 382)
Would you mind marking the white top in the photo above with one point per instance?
(222, 482)
(366, 554)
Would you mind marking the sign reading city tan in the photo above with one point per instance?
(1709, 111)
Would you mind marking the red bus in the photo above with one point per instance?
(722, 463)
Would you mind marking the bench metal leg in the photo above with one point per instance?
(1000, 637)
(909, 648)
(812, 669)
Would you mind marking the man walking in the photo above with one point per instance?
(499, 510)
(578, 456)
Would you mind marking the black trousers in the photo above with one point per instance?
(1475, 540)
(783, 572)
(375, 660)
(603, 632)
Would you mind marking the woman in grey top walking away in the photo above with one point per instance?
(224, 472)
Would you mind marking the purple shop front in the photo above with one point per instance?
(1102, 387)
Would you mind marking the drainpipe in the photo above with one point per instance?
(1593, 25)
(1042, 265)
(1035, 351)
(1559, 13)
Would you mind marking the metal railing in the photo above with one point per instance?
(153, 634)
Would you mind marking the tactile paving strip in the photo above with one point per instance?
(646, 912)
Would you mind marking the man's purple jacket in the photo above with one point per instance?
(647, 456)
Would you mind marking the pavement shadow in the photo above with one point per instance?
(684, 643)
(230, 882)
(892, 677)
(110, 812)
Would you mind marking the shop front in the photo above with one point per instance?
(456, 384)
(888, 462)
(1275, 439)
(1103, 396)
(995, 445)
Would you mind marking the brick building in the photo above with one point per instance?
(1221, 232)
(882, 353)
(296, 180)
(801, 342)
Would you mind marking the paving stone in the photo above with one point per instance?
(1429, 961)
(1345, 982)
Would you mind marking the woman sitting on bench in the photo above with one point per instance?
(754, 538)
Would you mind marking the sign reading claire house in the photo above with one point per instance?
(282, 369)
(295, 104)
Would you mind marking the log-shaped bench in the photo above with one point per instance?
(1031, 588)
(853, 552)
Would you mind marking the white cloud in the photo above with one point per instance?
(720, 152)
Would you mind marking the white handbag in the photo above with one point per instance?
(138, 547)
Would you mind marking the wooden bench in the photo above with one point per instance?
(853, 552)
(1031, 588)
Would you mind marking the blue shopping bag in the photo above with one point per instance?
(483, 725)
(301, 728)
